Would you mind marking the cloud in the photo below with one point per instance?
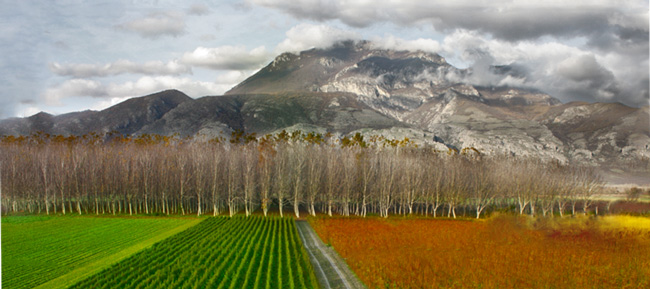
(74, 87)
(564, 71)
(305, 36)
(157, 24)
(120, 67)
(584, 73)
(578, 50)
(143, 86)
(584, 68)
(227, 57)
(395, 43)
(147, 84)
(198, 9)
(232, 78)
(503, 19)
(29, 111)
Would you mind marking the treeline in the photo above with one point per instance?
(112, 174)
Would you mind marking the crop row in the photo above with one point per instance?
(220, 252)
(41, 250)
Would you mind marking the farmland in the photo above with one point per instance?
(219, 252)
(502, 252)
(38, 249)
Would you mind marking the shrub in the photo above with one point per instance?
(633, 194)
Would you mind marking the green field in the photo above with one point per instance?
(220, 252)
(54, 252)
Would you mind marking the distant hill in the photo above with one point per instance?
(127, 117)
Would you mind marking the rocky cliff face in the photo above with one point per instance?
(434, 98)
(354, 87)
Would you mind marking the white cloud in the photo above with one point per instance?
(157, 24)
(143, 86)
(74, 87)
(232, 77)
(305, 36)
(120, 67)
(395, 43)
(147, 85)
(28, 111)
(227, 57)
(104, 104)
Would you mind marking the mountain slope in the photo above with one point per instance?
(265, 113)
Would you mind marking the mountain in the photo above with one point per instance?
(127, 117)
(355, 87)
(267, 113)
(429, 95)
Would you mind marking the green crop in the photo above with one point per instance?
(219, 252)
(38, 249)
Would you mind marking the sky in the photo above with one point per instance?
(60, 56)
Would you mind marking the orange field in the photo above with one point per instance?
(503, 252)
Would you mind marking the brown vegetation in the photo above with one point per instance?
(502, 252)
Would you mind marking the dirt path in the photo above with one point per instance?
(332, 272)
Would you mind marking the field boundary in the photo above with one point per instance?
(332, 271)
(95, 267)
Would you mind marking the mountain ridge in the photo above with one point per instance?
(354, 87)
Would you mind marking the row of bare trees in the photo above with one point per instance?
(300, 174)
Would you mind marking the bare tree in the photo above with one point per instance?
(348, 180)
(388, 173)
(250, 160)
(282, 183)
(332, 183)
(234, 182)
(215, 170)
(367, 163)
(454, 186)
(297, 166)
(265, 174)
(314, 175)
(481, 190)
(588, 184)
(199, 165)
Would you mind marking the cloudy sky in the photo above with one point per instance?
(67, 55)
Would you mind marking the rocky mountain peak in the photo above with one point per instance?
(357, 87)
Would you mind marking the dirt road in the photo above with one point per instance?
(332, 272)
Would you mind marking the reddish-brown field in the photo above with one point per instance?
(498, 253)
